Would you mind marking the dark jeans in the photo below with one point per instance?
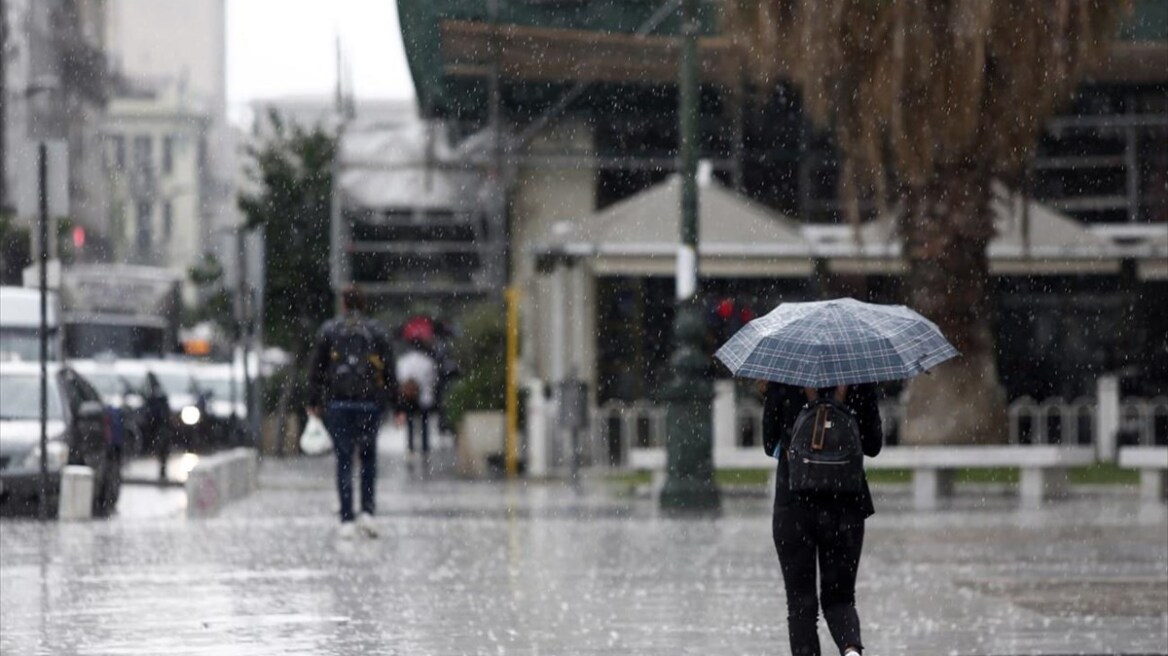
(353, 426)
(411, 416)
(158, 437)
(835, 536)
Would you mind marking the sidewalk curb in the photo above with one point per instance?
(219, 479)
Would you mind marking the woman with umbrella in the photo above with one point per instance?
(823, 358)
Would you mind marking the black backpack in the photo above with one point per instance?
(825, 453)
(356, 370)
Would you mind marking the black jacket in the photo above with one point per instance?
(321, 356)
(782, 405)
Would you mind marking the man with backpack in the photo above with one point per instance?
(350, 384)
(821, 502)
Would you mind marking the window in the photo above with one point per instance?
(167, 220)
(119, 151)
(144, 239)
(167, 154)
(143, 160)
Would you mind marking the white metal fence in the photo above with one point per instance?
(618, 427)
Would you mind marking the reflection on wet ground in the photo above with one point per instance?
(490, 567)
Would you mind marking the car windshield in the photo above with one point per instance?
(20, 397)
(176, 383)
(112, 384)
(25, 343)
(221, 389)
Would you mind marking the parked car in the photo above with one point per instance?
(80, 432)
(221, 387)
(206, 399)
(122, 382)
(120, 387)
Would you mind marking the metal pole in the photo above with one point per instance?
(3, 108)
(43, 257)
(512, 450)
(244, 323)
(689, 482)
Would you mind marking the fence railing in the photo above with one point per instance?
(618, 427)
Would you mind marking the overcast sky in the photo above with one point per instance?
(288, 47)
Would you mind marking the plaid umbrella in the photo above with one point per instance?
(837, 342)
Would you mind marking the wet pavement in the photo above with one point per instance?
(542, 568)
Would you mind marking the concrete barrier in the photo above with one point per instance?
(76, 499)
(1152, 463)
(1043, 468)
(480, 436)
(220, 478)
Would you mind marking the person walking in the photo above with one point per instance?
(350, 385)
(417, 373)
(821, 528)
(156, 421)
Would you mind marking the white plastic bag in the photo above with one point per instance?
(315, 440)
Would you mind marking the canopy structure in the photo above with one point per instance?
(540, 48)
(737, 237)
(1031, 239)
(1154, 263)
(404, 163)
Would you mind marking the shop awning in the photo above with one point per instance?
(1032, 239)
(737, 237)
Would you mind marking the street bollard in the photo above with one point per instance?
(1106, 417)
(76, 499)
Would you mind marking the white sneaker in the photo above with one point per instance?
(347, 531)
(852, 651)
(366, 527)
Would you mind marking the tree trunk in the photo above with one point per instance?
(947, 228)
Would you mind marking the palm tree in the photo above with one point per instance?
(929, 101)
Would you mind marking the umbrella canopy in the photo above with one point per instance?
(837, 342)
(418, 329)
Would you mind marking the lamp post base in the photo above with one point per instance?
(689, 475)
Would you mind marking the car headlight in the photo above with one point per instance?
(58, 456)
(190, 415)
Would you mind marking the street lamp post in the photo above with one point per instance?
(44, 84)
(689, 482)
(43, 282)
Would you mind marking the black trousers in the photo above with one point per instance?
(834, 537)
(421, 417)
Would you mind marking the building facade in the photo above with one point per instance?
(54, 88)
(157, 163)
(173, 58)
(587, 106)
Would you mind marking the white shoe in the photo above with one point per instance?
(366, 527)
(852, 651)
(347, 531)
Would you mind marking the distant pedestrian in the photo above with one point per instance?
(448, 372)
(350, 382)
(156, 428)
(417, 375)
(821, 528)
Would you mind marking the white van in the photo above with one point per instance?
(20, 322)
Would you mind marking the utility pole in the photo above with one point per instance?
(243, 334)
(3, 107)
(43, 261)
(689, 482)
